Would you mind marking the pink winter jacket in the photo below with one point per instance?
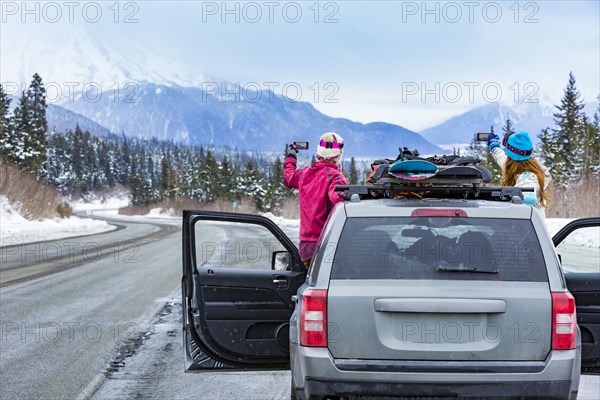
(316, 192)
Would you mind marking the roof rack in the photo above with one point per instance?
(391, 190)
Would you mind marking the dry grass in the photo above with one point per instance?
(36, 199)
(578, 201)
(134, 210)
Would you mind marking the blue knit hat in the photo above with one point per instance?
(519, 146)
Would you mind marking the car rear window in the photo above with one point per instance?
(434, 248)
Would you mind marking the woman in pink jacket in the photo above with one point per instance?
(315, 185)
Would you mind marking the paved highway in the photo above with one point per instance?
(61, 319)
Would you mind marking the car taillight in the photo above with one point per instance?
(313, 318)
(564, 321)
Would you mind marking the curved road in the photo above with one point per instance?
(66, 304)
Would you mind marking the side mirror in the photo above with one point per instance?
(559, 259)
(280, 260)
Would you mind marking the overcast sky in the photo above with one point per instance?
(410, 63)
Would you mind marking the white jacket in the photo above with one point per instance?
(527, 179)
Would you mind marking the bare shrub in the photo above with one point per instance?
(290, 208)
(64, 210)
(580, 200)
(135, 210)
(36, 198)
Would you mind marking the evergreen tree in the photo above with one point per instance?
(508, 125)
(250, 184)
(36, 140)
(24, 140)
(476, 149)
(18, 142)
(94, 176)
(276, 192)
(141, 190)
(548, 149)
(6, 131)
(226, 179)
(562, 148)
(353, 177)
(78, 156)
(591, 146)
(488, 160)
(479, 150)
(106, 158)
(126, 168)
(59, 166)
(208, 178)
(151, 173)
(167, 184)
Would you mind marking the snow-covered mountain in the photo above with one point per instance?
(83, 56)
(530, 117)
(166, 100)
(60, 119)
(190, 115)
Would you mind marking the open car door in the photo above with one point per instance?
(240, 272)
(577, 245)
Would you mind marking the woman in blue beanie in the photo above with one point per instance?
(520, 169)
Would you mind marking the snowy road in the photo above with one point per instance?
(59, 330)
(28, 261)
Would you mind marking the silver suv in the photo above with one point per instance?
(436, 298)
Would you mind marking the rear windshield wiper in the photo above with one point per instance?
(460, 268)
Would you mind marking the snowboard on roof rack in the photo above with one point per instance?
(438, 170)
(413, 170)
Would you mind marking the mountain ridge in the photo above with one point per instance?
(529, 117)
(191, 116)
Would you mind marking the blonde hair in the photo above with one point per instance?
(511, 169)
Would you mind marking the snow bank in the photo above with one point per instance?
(162, 213)
(281, 221)
(555, 224)
(588, 237)
(101, 203)
(14, 229)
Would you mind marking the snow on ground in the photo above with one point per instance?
(101, 203)
(587, 237)
(161, 212)
(555, 224)
(14, 229)
(281, 221)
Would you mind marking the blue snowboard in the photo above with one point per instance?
(413, 170)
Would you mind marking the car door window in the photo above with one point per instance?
(238, 245)
(580, 251)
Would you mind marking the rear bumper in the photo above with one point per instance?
(317, 374)
(546, 390)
